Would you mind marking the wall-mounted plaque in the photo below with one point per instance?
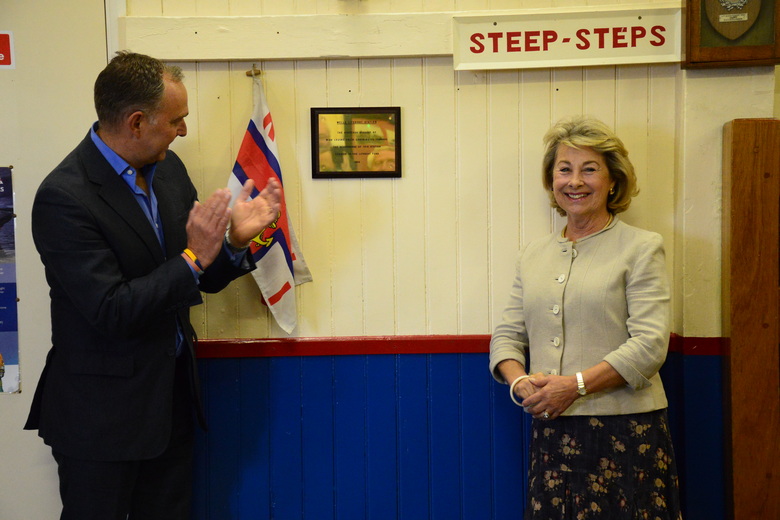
(730, 33)
(356, 142)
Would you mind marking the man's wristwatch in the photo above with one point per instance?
(581, 384)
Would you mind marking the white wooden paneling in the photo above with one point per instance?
(432, 252)
(315, 229)
(656, 204)
(536, 115)
(213, 164)
(503, 181)
(471, 139)
(247, 7)
(348, 292)
(143, 7)
(566, 89)
(180, 8)
(409, 237)
(440, 209)
(283, 100)
(599, 93)
(377, 201)
(631, 124)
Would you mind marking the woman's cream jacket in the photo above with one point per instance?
(603, 298)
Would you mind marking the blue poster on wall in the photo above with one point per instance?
(9, 323)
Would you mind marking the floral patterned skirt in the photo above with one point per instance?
(617, 467)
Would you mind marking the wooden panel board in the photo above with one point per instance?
(206, 38)
(409, 232)
(471, 138)
(503, 184)
(378, 206)
(414, 441)
(446, 496)
(318, 432)
(751, 324)
(440, 194)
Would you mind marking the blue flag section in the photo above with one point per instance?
(9, 323)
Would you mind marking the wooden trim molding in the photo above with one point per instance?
(241, 38)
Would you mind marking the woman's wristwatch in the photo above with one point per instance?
(581, 384)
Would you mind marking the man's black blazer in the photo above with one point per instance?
(106, 390)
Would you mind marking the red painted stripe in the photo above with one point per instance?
(367, 345)
(278, 296)
(696, 346)
(343, 346)
(675, 343)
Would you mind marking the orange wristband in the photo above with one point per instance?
(194, 258)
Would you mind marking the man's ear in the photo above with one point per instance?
(135, 121)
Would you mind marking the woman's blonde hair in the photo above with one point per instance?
(580, 132)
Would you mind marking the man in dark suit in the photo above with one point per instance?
(127, 250)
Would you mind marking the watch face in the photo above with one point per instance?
(581, 391)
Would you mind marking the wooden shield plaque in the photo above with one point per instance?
(732, 18)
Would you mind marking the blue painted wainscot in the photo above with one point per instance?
(416, 429)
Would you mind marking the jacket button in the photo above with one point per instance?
(557, 341)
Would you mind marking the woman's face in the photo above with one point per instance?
(581, 182)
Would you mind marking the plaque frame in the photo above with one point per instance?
(704, 47)
(355, 142)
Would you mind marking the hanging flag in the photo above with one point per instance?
(280, 264)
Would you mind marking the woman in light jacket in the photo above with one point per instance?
(582, 339)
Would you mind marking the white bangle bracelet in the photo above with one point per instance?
(512, 388)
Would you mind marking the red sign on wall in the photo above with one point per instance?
(6, 50)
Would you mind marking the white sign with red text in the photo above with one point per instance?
(7, 50)
(568, 37)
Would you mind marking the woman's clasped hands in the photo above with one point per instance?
(546, 396)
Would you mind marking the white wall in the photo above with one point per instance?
(704, 109)
(45, 109)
